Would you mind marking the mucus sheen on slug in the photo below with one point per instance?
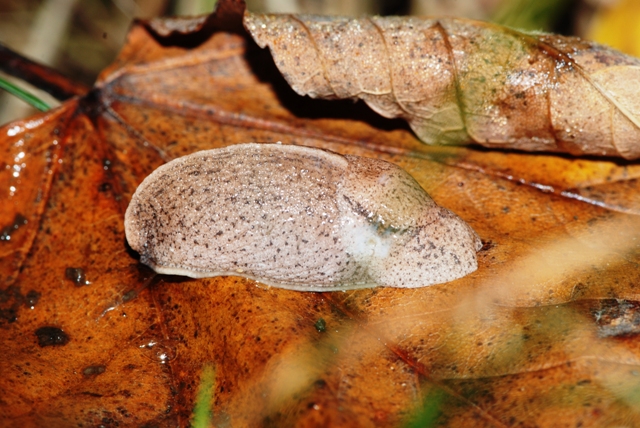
(298, 218)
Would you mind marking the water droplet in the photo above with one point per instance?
(14, 130)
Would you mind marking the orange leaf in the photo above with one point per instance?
(543, 333)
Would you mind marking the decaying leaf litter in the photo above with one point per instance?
(508, 344)
(455, 80)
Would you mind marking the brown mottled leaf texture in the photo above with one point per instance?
(455, 80)
(544, 333)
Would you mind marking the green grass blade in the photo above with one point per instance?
(427, 414)
(23, 95)
(202, 412)
(530, 15)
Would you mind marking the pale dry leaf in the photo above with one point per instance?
(456, 81)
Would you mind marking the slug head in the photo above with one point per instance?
(441, 248)
(412, 241)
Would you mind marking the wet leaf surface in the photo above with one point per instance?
(544, 333)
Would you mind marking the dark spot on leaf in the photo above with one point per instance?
(51, 336)
(32, 298)
(18, 221)
(11, 299)
(93, 370)
(321, 325)
(129, 295)
(76, 275)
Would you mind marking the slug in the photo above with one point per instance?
(298, 218)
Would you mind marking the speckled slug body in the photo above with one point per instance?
(298, 218)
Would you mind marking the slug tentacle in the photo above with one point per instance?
(297, 218)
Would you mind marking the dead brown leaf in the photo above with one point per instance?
(456, 80)
(544, 333)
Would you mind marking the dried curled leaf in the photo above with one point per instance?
(457, 80)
